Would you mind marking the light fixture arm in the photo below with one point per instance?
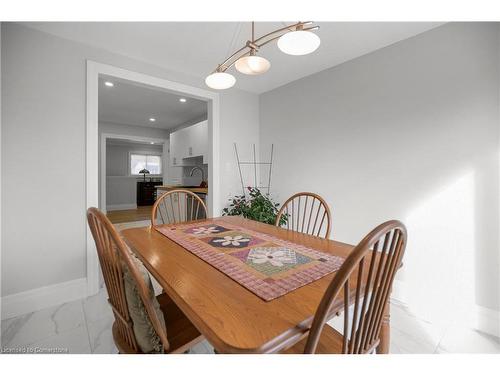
(279, 36)
(254, 45)
(296, 26)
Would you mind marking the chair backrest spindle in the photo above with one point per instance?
(305, 216)
(370, 272)
(177, 206)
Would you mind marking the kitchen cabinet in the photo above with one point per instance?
(178, 145)
(189, 143)
(146, 192)
(174, 175)
(198, 140)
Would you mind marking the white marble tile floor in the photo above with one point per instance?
(84, 326)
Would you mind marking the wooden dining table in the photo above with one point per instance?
(232, 318)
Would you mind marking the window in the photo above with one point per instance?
(139, 162)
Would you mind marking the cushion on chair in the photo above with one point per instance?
(145, 334)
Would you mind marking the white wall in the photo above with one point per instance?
(244, 136)
(43, 96)
(121, 188)
(408, 132)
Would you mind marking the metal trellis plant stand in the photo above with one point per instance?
(255, 163)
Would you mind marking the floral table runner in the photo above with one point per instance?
(266, 265)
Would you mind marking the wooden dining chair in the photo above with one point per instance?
(374, 263)
(178, 206)
(177, 334)
(306, 213)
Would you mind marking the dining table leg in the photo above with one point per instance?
(385, 331)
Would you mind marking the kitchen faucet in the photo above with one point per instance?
(201, 170)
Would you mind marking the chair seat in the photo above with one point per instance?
(329, 343)
(181, 333)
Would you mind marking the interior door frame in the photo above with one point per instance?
(94, 69)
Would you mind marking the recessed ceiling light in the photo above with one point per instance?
(152, 119)
(109, 84)
(183, 100)
(152, 143)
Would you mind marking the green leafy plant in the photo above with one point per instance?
(256, 207)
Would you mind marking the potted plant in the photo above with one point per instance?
(256, 207)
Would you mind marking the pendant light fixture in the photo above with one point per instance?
(252, 64)
(220, 80)
(296, 39)
(299, 42)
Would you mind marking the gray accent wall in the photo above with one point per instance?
(408, 132)
(126, 192)
(121, 188)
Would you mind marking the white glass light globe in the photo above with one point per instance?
(298, 42)
(252, 65)
(220, 80)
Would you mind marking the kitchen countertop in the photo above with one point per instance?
(198, 190)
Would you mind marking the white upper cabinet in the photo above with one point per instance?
(178, 143)
(187, 143)
(198, 140)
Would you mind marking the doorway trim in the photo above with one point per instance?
(94, 69)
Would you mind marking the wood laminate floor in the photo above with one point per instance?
(125, 216)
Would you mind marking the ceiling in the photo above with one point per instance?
(132, 104)
(196, 48)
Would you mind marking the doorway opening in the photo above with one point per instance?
(126, 194)
(145, 135)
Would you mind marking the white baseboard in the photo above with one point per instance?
(119, 207)
(481, 318)
(487, 320)
(37, 299)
